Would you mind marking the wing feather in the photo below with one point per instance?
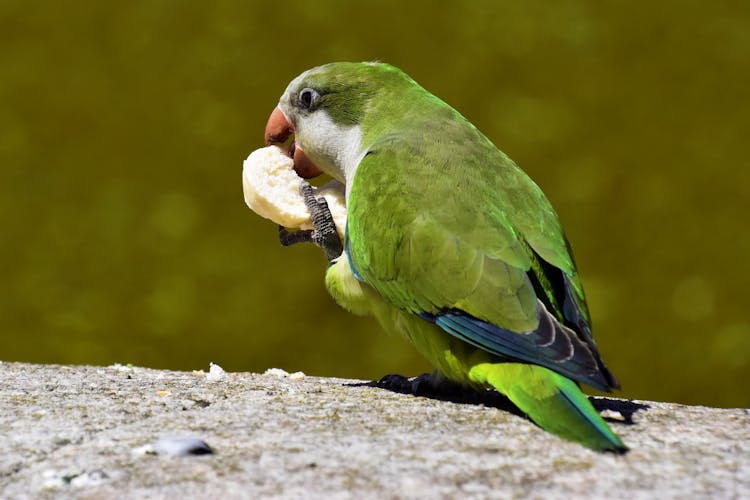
(469, 242)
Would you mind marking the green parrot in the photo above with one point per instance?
(448, 243)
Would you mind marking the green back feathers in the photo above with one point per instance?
(442, 220)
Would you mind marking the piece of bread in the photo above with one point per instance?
(272, 190)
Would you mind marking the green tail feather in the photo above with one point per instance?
(553, 402)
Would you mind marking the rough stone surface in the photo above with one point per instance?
(87, 432)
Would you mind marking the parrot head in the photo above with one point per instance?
(325, 110)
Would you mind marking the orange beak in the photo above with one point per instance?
(278, 130)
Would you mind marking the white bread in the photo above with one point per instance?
(272, 190)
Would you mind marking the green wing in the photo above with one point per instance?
(461, 236)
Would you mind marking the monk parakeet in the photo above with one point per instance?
(448, 243)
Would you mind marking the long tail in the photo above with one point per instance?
(553, 402)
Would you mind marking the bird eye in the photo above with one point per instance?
(307, 98)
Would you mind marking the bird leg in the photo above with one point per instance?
(324, 234)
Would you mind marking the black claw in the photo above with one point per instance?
(287, 238)
(395, 383)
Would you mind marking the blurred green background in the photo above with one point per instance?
(123, 126)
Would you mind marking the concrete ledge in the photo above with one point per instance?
(92, 432)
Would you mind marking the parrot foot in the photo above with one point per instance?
(431, 385)
(324, 235)
(436, 386)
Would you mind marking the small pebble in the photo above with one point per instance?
(175, 447)
(122, 368)
(215, 373)
(55, 480)
(279, 373)
(276, 372)
(90, 478)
